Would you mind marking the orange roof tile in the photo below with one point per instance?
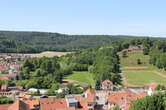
(19, 105)
(32, 103)
(4, 106)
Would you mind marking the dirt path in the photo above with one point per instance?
(136, 67)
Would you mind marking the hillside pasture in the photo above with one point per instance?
(140, 74)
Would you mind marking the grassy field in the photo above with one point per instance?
(81, 77)
(143, 77)
(141, 74)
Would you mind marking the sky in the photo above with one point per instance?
(114, 17)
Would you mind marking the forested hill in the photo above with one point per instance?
(44, 41)
(41, 41)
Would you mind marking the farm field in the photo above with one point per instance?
(48, 54)
(81, 77)
(140, 74)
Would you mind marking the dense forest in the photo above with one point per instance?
(32, 42)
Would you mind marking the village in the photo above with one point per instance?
(107, 98)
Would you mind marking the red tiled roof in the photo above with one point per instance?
(124, 98)
(4, 87)
(3, 68)
(8, 75)
(53, 103)
(90, 95)
(19, 105)
(4, 78)
(4, 106)
(61, 104)
(32, 103)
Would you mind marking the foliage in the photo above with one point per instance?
(124, 54)
(41, 73)
(2, 82)
(97, 85)
(61, 95)
(102, 62)
(74, 90)
(5, 100)
(155, 102)
(160, 87)
(139, 61)
(32, 42)
(116, 107)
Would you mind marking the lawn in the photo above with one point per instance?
(81, 77)
(143, 77)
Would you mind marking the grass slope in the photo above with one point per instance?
(140, 74)
(81, 77)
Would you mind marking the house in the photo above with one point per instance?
(24, 105)
(86, 101)
(4, 106)
(107, 85)
(135, 48)
(71, 101)
(123, 99)
(90, 97)
(32, 90)
(15, 88)
(3, 69)
(33, 104)
(4, 87)
(43, 91)
(23, 95)
(8, 76)
(15, 68)
(151, 89)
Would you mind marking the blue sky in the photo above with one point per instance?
(127, 17)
